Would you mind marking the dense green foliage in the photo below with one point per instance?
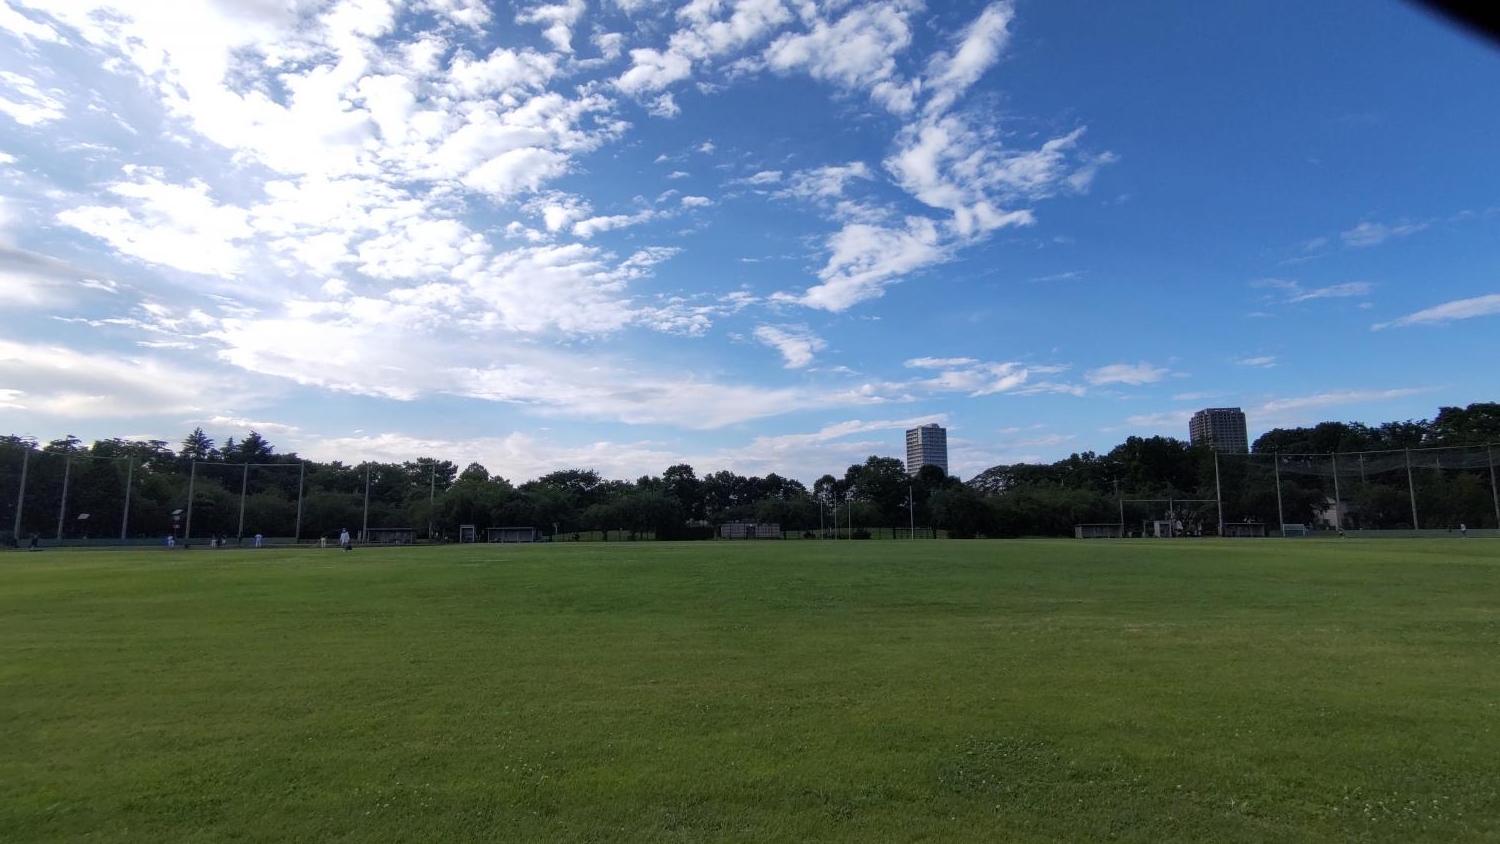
(1138, 691)
(434, 497)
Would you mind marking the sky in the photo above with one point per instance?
(754, 235)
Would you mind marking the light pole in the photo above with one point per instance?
(849, 502)
(911, 510)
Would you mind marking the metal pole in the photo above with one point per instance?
(822, 533)
(1411, 488)
(62, 508)
(129, 479)
(1218, 494)
(432, 499)
(1121, 500)
(364, 531)
(1488, 453)
(244, 484)
(1280, 516)
(187, 527)
(1338, 500)
(301, 480)
(21, 492)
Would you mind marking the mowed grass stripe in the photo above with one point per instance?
(835, 691)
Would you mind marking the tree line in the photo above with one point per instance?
(133, 487)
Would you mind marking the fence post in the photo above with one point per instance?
(21, 492)
(62, 507)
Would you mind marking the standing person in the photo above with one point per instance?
(257, 540)
(344, 540)
(171, 542)
(35, 544)
(1463, 529)
(322, 542)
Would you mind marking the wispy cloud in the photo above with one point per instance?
(1258, 362)
(1478, 306)
(796, 343)
(1295, 292)
(1373, 234)
(1126, 373)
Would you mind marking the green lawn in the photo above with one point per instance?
(1184, 690)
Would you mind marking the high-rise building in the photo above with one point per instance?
(926, 445)
(1221, 428)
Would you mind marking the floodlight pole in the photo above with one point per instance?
(244, 485)
(1280, 516)
(26, 459)
(1488, 454)
(1120, 499)
(301, 480)
(187, 527)
(1411, 489)
(129, 479)
(62, 507)
(364, 531)
(432, 499)
(1218, 495)
(1338, 500)
(911, 510)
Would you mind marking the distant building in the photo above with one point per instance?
(1220, 428)
(926, 446)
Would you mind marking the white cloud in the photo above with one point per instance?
(558, 21)
(65, 383)
(1125, 373)
(172, 225)
(949, 75)
(14, 22)
(28, 104)
(939, 363)
(1374, 234)
(865, 259)
(1259, 362)
(796, 343)
(1478, 306)
(1335, 291)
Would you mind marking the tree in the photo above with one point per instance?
(683, 484)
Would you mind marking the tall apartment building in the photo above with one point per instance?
(926, 445)
(1222, 428)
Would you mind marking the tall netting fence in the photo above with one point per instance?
(1427, 489)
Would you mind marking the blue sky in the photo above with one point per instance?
(756, 235)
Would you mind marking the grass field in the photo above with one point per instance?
(1021, 691)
